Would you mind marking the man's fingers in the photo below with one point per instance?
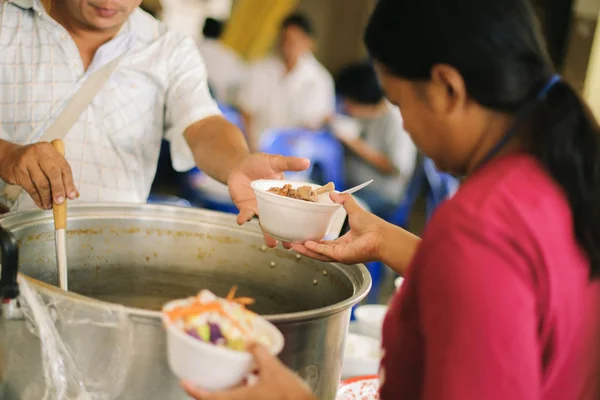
(67, 176)
(30, 188)
(55, 177)
(269, 240)
(282, 164)
(42, 186)
(245, 215)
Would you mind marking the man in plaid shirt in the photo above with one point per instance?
(159, 90)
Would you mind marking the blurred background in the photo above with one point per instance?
(244, 41)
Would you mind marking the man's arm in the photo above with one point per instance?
(218, 146)
(251, 135)
(371, 156)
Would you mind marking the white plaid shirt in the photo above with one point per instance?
(158, 89)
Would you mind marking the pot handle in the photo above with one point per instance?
(9, 289)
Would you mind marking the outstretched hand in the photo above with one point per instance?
(259, 166)
(361, 244)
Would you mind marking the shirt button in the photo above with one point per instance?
(39, 13)
(63, 37)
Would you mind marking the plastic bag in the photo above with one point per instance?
(86, 348)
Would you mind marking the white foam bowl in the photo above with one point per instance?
(362, 356)
(293, 220)
(369, 319)
(211, 367)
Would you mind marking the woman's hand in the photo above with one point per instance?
(275, 382)
(361, 244)
(370, 239)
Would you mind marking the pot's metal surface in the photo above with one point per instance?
(143, 255)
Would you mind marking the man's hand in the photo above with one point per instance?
(258, 166)
(40, 170)
(275, 382)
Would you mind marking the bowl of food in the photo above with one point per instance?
(207, 338)
(296, 212)
(362, 356)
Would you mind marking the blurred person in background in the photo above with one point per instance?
(377, 145)
(226, 70)
(157, 90)
(501, 296)
(290, 89)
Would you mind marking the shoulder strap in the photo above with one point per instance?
(71, 113)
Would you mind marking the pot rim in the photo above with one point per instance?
(358, 274)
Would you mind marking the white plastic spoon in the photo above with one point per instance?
(330, 188)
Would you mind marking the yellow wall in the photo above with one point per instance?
(339, 24)
(254, 26)
(591, 89)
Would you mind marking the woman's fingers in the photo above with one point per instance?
(301, 249)
(347, 201)
(322, 249)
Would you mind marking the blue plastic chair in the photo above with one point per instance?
(441, 186)
(323, 150)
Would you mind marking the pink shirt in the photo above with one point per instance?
(497, 303)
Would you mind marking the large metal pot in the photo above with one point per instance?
(140, 256)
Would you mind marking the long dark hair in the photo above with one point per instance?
(497, 47)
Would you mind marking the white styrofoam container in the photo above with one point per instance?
(297, 221)
(211, 367)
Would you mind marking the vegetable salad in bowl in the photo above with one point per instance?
(207, 338)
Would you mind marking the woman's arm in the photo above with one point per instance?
(371, 156)
(397, 248)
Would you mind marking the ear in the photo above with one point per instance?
(447, 90)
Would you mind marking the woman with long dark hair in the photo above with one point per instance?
(501, 295)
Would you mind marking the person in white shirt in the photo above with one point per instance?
(288, 90)
(377, 145)
(49, 48)
(225, 67)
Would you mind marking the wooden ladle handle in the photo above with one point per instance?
(60, 210)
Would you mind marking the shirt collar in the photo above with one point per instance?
(36, 5)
